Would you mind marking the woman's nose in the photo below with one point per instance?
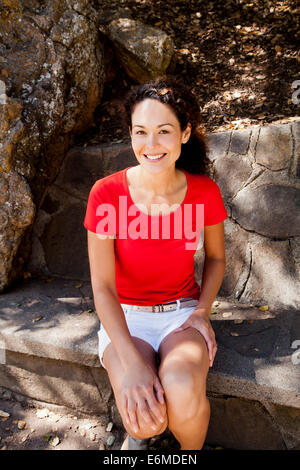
(151, 140)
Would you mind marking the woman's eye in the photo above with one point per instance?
(164, 131)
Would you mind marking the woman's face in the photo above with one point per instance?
(156, 136)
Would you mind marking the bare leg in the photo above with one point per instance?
(115, 372)
(183, 372)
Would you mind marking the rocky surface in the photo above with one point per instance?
(51, 80)
(240, 58)
(48, 352)
(143, 51)
(262, 202)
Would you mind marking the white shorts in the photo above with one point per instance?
(148, 326)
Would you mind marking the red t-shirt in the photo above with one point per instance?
(154, 254)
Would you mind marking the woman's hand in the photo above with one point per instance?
(199, 320)
(142, 391)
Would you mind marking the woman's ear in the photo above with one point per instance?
(186, 133)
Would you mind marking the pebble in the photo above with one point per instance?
(109, 426)
(110, 440)
(4, 414)
(54, 441)
(21, 424)
(226, 314)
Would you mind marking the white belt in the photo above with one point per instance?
(187, 302)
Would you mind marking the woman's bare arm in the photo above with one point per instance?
(108, 308)
(214, 265)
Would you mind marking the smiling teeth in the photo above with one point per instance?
(154, 157)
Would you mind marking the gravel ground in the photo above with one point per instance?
(240, 58)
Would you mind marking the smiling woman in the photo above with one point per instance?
(156, 341)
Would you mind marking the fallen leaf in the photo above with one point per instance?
(46, 437)
(4, 414)
(233, 333)
(37, 318)
(79, 285)
(50, 279)
(238, 321)
(263, 308)
(213, 311)
(102, 446)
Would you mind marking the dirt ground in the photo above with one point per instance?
(33, 425)
(240, 57)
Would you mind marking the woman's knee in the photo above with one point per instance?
(185, 389)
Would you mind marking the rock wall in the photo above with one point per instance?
(51, 80)
(258, 174)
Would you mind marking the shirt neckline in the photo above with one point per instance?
(161, 215)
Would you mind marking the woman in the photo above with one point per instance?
(156, 341)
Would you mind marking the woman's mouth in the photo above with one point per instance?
(155, 158)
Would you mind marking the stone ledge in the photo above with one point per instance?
(54, 359)
(254, 358)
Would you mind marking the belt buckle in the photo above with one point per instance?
(160, 308)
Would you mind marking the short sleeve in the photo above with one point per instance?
(215, 211)
(100, 215)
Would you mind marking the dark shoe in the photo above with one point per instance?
(135, 444)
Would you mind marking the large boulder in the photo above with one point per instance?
(51, 80)
(144, 52)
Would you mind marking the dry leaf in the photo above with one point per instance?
(238, 321)
(213, 311)
(102, 446)
(37, 318)
(79, 285)
(263, 308)
(233, 333)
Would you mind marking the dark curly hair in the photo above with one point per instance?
(173, 92)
